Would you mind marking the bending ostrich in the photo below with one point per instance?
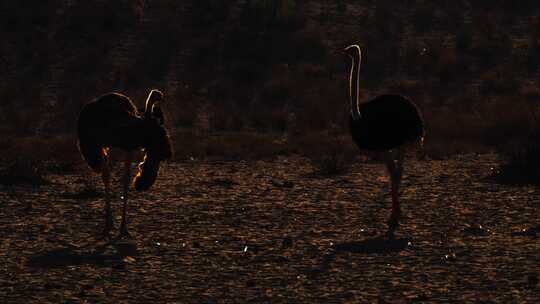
(112, 121)
(387, 123)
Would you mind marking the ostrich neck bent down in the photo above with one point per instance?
(112, 121)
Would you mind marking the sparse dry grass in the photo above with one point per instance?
(22, 171)
(330, 154)
(521, 161)
(231, 145)
(276, 61)
(265, 232)
(27, 160)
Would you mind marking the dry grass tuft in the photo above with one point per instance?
(227, 145)
(23, 171)
(521, 161)
(330, 154)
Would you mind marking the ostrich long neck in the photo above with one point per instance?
(354, 85)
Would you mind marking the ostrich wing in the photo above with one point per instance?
(387, 122)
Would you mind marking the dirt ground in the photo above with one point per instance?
(272, 231)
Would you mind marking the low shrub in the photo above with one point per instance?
(520, 161)
(423, 18)
(330, 154)
(331, 163)
(517, 139)
(227, 145)
(23, 171)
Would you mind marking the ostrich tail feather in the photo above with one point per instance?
(93, 154)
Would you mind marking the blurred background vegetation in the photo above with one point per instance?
(258, 78)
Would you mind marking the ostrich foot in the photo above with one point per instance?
(393, 224)
(106, 233)
(124, 233)
(390, 233)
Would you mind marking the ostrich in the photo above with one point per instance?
(112, 121)
(387, 123)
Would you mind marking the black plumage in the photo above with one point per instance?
(112, 121)
(387, 122)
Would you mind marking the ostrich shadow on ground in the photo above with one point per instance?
(107, 254)
(376, 245)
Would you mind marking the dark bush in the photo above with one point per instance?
(333, 162)
(242, 145)
(464, 39)
(521, 161)
(276, 92)
(533, 57)
(525, 7)
(387, 23)
(497, 82)
(280, 14)
(209, 11)
(447, 68)
(329, 152)
(307, 46)
(223, 118)
(502, 123)
(22, 171)
(423, 18)
(493, 43)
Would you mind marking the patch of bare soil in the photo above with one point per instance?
(271, 231)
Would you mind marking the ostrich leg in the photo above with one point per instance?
(106, 177)
(394, 164)
(126, 181)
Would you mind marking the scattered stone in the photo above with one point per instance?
(476, 230)
(287, 242)
(224, 182)
(531, 231)
(281, 183)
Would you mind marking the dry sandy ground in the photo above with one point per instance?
(271, 231)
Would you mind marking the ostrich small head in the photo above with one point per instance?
(157, 144)
(154, 97)
(352, 50)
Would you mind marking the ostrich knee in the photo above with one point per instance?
(393, 172)
(126, 181)
(106, 177)
(397, 174)
(396, 179)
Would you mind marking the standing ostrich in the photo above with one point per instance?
(112, 121)
(387, 123)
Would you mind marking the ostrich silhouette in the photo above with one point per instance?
(112, 121)
(388, 124)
